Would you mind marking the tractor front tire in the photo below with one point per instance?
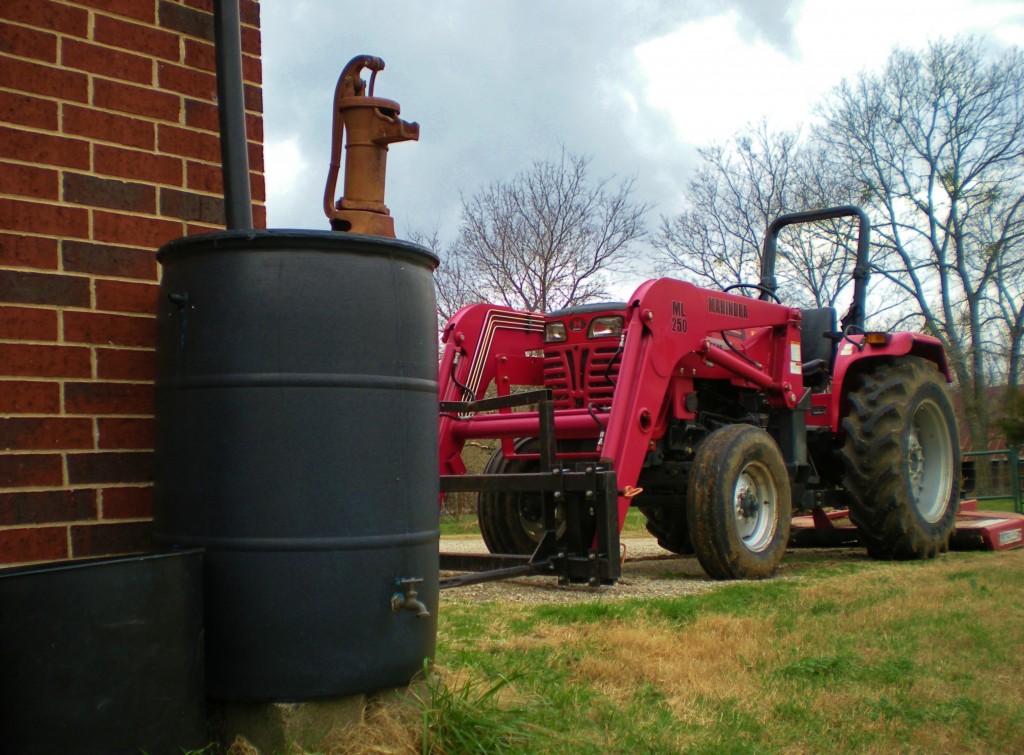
(902, 458)
(739, 503)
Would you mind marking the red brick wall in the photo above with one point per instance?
(108, 149)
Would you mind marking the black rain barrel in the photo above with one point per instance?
(103, 656)
(296, 441)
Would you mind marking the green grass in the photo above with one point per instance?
(996, 504)
(867, 657)
(460, 525)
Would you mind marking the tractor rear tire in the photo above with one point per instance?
(669, 525)
(512, 521)
(902, 457)
(739, 503)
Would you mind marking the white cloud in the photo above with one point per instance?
(712, 81)
(284, 164)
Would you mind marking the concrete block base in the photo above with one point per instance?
(283, 728)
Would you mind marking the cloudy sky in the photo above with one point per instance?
(497, 84)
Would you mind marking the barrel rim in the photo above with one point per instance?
(71, 565)
(273, 239)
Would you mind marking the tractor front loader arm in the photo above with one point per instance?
(640, 394)
(484, 345)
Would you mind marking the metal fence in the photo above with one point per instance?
(995, 475)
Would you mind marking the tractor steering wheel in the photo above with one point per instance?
(756, 287)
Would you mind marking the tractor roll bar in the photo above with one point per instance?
(855, 315)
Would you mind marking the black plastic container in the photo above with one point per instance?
(103, 656)
(297, 443)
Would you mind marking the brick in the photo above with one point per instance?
(28, 43)
(30, 470)
(145, 166)
(134, 37)
(127, 503)
(117, 228)
(193, 229)
(187, 81)
(36, 78)
(48, 15)
(259, 216)
(26, 110)
(202, 115)
(98, 328)
(125, 433)
(27, 544)
(19, 287)
(187, 143)
(109, 127)
(33, 217)
(255, 157)
(105, 61)
(26, 324)
(200, 54)
(108, 398)
(254, 129)
(188, 21)
(203, 208)
(111, 539)
(44, 433)
(126, 364)
(116, 261)
(249, 12)
(29, 397)
(118, 296)
(48, 149)
(253, 98)
(33, 360)
(47, 506)
(251, 41)
(110, 466)
(252, 69)
(257, 187)
(127, 98)
(106, 192)
(204, 5)
(28, 181)
(143, 10)
(202, 177)
(28, 251)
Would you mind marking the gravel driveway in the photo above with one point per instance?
(648, 571)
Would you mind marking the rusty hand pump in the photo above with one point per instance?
(370, 125)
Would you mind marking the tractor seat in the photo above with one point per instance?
(817, 343)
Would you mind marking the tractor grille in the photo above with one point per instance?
(581, 377)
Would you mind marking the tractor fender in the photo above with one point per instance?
(852, 357)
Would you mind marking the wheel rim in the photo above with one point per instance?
(930, 461)
(531, 519)
(755, 503)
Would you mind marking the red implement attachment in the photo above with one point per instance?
(975, 530)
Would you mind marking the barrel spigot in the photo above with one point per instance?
(406, 598)
(368, 124)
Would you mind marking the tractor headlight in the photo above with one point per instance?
(605, 327)
(554, 332)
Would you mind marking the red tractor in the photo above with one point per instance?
(716, 414)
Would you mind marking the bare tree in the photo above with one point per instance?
(737, 191)
(936, 143)
(539, 241)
